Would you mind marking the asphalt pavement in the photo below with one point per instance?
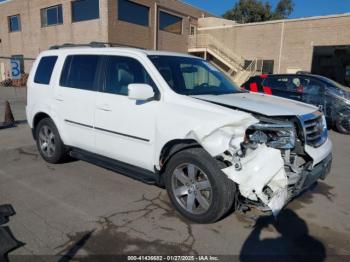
(76, 209)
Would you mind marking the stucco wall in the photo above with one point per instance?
(295, 42)
(131, 34)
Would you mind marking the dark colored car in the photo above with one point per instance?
(331, 97)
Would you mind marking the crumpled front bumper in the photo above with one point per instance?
(264, 169)
(309, 177)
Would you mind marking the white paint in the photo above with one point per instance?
(264, 104)
(261, 167)
(140, 92)
(320, 153)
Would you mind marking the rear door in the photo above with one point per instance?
(75, 97)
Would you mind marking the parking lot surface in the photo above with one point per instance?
(78, 209)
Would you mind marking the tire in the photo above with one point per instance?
(340, 126)
(49, 143)
(197, 187)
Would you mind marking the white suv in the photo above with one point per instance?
(175, 120)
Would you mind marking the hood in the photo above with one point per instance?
(261, 104)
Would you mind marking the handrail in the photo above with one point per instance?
(208, 41)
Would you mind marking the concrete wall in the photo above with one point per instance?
(32, 39)
(289, 43)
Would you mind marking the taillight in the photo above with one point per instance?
(264, 76)
(267, 90)
(253, 87)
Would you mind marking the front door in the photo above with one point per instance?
(124, 128)
(314, 92)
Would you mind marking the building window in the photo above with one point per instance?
(133, 13)
(193, 30)
(267, 67)
(83, 10)
(14, 23)
(170, 23)
(51, 16)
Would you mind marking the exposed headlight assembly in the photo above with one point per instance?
(276, 135)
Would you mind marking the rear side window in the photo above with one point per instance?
(44, 70)
(80, 71)
(280, 83)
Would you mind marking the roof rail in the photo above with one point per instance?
(68, 45)
(92, 44)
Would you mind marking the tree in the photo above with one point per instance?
(283, 9)
(249, 11)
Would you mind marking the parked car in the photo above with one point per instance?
(331, 97)
(174, 120)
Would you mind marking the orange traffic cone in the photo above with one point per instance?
(9, 119)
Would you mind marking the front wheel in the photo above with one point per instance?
(197, 187)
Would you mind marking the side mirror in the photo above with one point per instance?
(140, 92)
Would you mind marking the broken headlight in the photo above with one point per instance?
(276, 135)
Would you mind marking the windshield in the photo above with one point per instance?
(193, 76)
(335, 84)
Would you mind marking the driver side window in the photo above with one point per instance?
(123, 71)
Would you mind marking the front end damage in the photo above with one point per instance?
(274, 160)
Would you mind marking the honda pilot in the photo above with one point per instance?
(176, 121)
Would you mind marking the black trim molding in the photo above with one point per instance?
(79, 124)
(109, 131)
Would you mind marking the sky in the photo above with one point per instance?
(302, 8)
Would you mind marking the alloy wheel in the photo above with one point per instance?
(192, 189)
(47, 141)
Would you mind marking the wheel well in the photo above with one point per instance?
(38, 117)
(173, 147)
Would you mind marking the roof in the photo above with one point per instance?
(280, 21)
(111, 50)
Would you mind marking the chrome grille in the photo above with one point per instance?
(314, 129)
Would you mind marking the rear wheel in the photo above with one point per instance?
(197, 187)
(343, 125)
(49, 142)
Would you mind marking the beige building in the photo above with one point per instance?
(28, 27)
(317, 44)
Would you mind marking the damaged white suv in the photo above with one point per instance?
(176, 121)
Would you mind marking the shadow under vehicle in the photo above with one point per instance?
(331, 97)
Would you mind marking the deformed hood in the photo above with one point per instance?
(260, 103)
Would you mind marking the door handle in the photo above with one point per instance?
(105, 107)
